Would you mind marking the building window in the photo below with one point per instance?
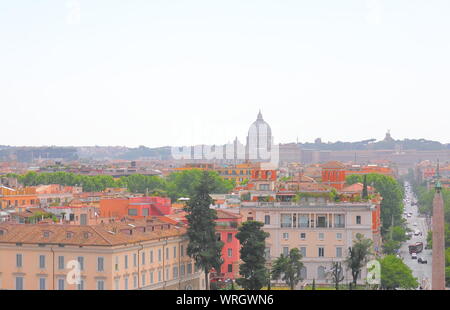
(132, 212)
(321, 273)
(19, 283)
(134, 259)
(230, 252)
(100, 285)
(229, 237)
(321, 221)
(167, 253)
(285, 236)
(303, 236)
(339, 220)
(286, 220)
(267, 219)
(285, 251)
(175, 272)
(338, 252)
(151, 256)
(143, 279)
(167, 274)
(100, 263)
(303, 251)
(151, 277)
(143, 258)
(126, 261)
(358, 219)
(116, 264)
(182, 270)
(230, 267)
(174, 252)
(61, 283)
(321, 252)
(159, 275)
(303, 273)
(145, 212)
(189, 268)
(181, 250)
(125, 282)
(321, 236)
(339, 236)
(267, 253)
(159, 255)
(60, 262)
(303, 220)
(42, 261)
(116, 284)
(42, 282)
(80, 260)
(18, 260)
(135, 281)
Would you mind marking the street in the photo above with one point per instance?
(421, 271)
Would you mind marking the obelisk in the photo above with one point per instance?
(438, 256)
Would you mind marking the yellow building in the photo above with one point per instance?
(142, 255)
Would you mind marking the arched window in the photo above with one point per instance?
(321, 273)
(304, 273)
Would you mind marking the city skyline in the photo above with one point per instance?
(157, 73)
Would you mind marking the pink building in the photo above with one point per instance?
(227, 224)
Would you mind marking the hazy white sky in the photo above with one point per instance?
(173, 72)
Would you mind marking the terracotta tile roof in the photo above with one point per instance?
(89, 235)
(356, 188)
(333, 164)
(222, 214)
(315, 187)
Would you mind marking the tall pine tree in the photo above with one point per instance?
(253, 270)
(203, 246)
(365, 193)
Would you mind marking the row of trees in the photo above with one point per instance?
(176, 185)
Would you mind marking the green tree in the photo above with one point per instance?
(253, 271)
(358, 255)
(288, 268)
(392, 193)
(396, 274)
(365, 193)
(391, 247)
(203, 246)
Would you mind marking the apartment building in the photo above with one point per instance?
(143, 255)
(322, 231)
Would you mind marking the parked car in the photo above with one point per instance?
(413, 256)
(420, 260)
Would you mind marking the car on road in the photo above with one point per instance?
(421, 260)
(409, 215)
(414, 224)
(417, 233)
(413, 256)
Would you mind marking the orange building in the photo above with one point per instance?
(239, 173)
(333, 174)
(17, 197)
(135, 207)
